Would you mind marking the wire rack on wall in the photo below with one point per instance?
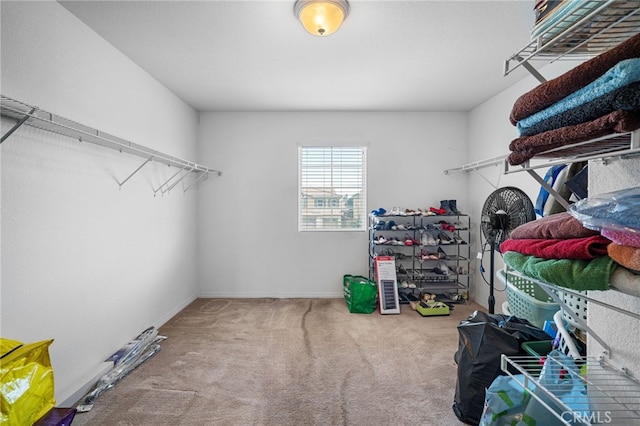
(599, 393)
(25, 114)
(583, 29)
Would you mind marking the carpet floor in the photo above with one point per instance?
(291, 362)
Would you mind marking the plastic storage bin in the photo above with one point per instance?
(528, 300)
(539, 350)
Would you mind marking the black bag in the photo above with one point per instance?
(483, 338)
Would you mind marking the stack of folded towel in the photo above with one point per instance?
(581, 248)
(597, 98)
(557, 249)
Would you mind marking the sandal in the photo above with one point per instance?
(408, 241)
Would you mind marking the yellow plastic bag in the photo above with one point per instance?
(26, 385)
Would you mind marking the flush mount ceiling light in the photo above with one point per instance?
(321, 17)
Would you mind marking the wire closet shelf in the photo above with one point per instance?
(587, 29)
(611, 395)
(32, 116)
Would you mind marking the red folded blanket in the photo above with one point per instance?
(527, 147)
(556, 226)
(553, 90)
(627, 256)
(574, 248)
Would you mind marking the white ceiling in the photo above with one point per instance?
(398, 55)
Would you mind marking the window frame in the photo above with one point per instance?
(357, 217)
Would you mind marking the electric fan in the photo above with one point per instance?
(504, 210)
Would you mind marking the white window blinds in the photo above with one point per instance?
(332, 188)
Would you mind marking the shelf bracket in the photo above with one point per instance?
(17, 125)
(135, 171)
(169, 188)
(549, 189)
(534, 72)
(167, 181)
(202, 174)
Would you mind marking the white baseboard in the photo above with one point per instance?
(172, 313)
(70, 396)
(235, 295)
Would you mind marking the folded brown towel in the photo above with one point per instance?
(554, 90)
(556, 226)
(526, 147)
(627, 256)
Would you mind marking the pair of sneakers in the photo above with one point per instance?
(441, 269)
(427, 239)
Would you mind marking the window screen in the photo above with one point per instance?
(332, 188)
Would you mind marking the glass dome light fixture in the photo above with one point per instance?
(321, 17)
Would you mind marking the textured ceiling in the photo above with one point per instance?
(255, 56)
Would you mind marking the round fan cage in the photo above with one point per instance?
(504, 210)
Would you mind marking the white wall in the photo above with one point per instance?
(249, 243)
(83, 262)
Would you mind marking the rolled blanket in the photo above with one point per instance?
(556, 226)
(553, 90)
(626, 98)
(573, 248)
(622, 74)
(579, 275)
(527, 147)
(627, 256)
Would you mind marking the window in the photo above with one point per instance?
(332, 188)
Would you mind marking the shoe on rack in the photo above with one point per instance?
(453, 207)
(431, 241)
(444, 238)
(444, 205)
(446, 225)
(438, 211)
(441, 269)
(458, 239)
(442, 254)
(424, 240)
(387, 252)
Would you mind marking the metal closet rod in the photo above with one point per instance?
(38, 118)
